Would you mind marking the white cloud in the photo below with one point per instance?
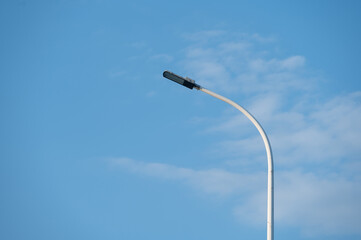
(234, 65)
(324, 136)
(327, 132)
(318, 205)
(293, 62)
(231, 47)
(212, 181)
(281, 94)
(275, 65)
(316, 141)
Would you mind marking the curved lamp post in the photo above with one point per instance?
(189, 83)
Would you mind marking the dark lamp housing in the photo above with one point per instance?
(187, 82)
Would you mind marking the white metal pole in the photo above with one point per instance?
(269, 158)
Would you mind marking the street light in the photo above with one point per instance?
(189, 83)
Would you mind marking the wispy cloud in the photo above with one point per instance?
(328, 204)
(239, 65)
(324, 205)
(283, 94)
(212, 181)
(316, 140)
(325, 133)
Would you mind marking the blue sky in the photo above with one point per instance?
(96, 144)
